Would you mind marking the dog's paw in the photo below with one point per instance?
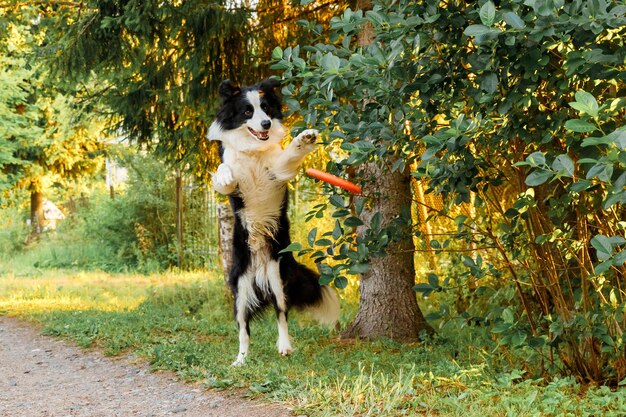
(307, 139)
(223, 179)
(284, 347)
(285, 351)
(241, 360)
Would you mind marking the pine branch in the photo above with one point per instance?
(42, 2)
(305, 12)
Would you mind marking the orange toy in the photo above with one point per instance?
(334, 180)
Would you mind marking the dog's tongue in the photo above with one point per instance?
(260, 135)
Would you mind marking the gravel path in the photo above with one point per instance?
(42, 376)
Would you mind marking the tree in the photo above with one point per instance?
(361, 91)
(49, 136)
(159, 64)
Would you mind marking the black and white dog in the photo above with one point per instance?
(254, 173)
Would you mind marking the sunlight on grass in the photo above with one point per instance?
(71, 291)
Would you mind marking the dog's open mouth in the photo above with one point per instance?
(259, 135)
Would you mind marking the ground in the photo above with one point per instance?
(42, 376)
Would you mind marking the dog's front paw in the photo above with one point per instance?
(224, 180)
(306, 140)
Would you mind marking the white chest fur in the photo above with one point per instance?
(260, 190)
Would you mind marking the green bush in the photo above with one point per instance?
(470, 94)
(13, 231)
(137, 226)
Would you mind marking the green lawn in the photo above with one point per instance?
(182, 322)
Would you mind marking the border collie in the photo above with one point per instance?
(254, 173)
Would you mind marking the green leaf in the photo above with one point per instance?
(433, 280)
(513, 20)
(353, 222)
(488, 13)
(603, 247)
(489, 83)
(620, 258)
(293, 247)
(423, 287)
(580, 126)
(564, 165)
(538, 177)
(581, 185)
(536, 342)
(324, 242)
(508, 316)
(359, 268)
(277, 53)
(337, 201)
(476, 30)
(331, 63)
(602, 170)
(612, 199)
(588, 101)
(311, 236)
(602, 267)
(536, 159)
(341, 282)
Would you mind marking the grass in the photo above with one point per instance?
(182, 322)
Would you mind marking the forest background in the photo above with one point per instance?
(488, 137)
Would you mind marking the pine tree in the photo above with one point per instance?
(48, 134)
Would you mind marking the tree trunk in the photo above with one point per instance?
(180, 236)
(388, 304)
(36, 213)
(226, 221)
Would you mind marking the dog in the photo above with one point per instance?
(254, 173)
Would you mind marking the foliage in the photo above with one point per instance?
(159, 64)
(135, 231)
(13, 231)
(48, 135)
(172, 321)
(138, 226)
(465, 94)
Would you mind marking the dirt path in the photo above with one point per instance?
(42, 376)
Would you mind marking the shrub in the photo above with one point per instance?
(516, 111)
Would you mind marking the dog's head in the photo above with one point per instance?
(249, 118)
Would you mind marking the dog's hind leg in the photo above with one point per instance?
(243, 321)
(245, 296)
(280, 304)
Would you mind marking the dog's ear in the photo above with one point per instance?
(228, 89)
(269, 85)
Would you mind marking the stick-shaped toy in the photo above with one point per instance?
(334, 180)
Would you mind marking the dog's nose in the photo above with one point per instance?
(266, 124)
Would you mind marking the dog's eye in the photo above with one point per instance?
(264, 107)
(248, 112)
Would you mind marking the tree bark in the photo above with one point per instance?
(226, 221)
(388, 304)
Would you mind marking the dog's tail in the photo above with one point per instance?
(305, 293)
(326, 311)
